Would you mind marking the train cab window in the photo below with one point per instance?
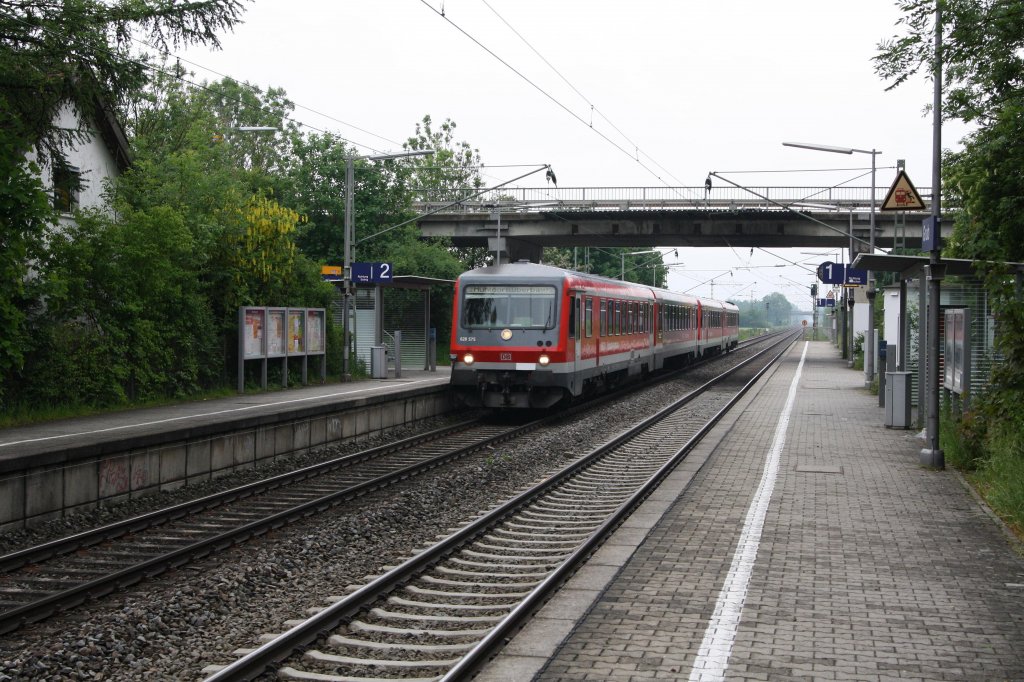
(589, 323)
(498, 307)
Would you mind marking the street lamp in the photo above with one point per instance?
(869, 353)
(349, 238)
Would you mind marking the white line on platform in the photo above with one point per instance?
(715, 649)
(375, 387)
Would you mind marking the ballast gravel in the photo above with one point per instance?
(172, 626)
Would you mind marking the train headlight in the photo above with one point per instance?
(468, 358)
(506, 334)
(543, 360)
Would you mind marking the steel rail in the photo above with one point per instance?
(72, 543)
(42, 608)
(13, 619)
(473, 661)
(303, 634)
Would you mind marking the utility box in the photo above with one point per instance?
(897, 399)
(378, 362)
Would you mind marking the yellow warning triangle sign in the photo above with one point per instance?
(902, 195)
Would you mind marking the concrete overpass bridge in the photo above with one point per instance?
(521, 221)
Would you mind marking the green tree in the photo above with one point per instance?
(452, 172)
(454, 166)
(79, 53)
(125, 317)
(983, 84)
(983, 69)
(643, 268)
(73, 54)
(982, 42)
(25, 216)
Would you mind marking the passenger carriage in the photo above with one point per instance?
(528, 335)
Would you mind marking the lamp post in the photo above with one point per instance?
(348, 239)
(932, 455)
(869, 353)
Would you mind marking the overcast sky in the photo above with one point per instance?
(685, 87)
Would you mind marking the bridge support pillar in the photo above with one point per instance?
(511, 250)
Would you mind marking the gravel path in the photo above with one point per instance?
(170, 627)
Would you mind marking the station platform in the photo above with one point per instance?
(62, 467)
(109, 431)
(801, 540)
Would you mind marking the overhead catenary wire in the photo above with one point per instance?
(552, 98)
(593, 107)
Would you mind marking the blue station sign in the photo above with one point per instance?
(855, 276)
(832, 273)
(372, 273)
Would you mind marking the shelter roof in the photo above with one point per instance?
(910, 265)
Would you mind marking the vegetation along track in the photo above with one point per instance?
(444, 612)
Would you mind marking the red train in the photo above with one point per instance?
(531, 336)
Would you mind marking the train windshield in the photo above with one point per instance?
(517, 307)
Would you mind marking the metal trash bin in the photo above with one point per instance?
(897, 399)
(378, 362)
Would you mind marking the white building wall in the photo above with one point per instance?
(860, 311)
(94, 160)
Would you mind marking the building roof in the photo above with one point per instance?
(113, 136)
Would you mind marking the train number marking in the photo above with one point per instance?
(467, 339)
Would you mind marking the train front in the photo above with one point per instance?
(506, 348)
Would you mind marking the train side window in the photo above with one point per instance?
(578, 309)
(603, 329)
(589, 319)
(618, 318)
(572, 317)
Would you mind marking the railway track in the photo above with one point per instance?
(40, 581)
(445, 611)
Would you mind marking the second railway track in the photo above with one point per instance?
(444, 611)
(58, 575)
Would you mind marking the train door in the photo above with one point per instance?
(700, 328)
(578, 342)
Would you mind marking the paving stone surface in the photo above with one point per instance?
(869, 566)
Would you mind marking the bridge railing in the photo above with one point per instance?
(531, 199)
